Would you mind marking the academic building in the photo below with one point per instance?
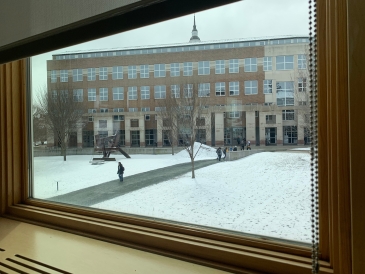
(257, 89)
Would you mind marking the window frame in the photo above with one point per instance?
(231, 253)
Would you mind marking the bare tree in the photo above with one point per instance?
(185, 116)
(63, 111)
(39, 126)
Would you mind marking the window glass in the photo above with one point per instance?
(169, 76)
(188, 68)
(118, 93)
(251, 87)
(117, 73)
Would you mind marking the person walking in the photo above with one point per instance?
(219, 153)
(120, 171)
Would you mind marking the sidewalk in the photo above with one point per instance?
(109, 190)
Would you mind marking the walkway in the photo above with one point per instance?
(109, 190)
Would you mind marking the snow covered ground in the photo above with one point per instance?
(266, 193)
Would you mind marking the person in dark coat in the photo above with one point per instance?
(120, 171)
(219, 153)
(235, 148)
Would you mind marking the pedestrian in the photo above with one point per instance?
(248, 145)
(238, 140)
(243, 146)
(219, 153)
(235, 148)
(225, 152)
(120, 171)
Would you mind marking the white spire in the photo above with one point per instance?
(194, 34)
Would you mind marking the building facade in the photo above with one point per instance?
(257, 90)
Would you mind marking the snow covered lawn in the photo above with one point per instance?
(266, 193)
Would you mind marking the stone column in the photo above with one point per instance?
(142, 129)
(219, 129)
(79, 137)
(279, 129)
(300, 128)
(127, 126)
(250, 127)
(263, 125)
(159, 131)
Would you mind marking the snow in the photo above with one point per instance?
(265, 194)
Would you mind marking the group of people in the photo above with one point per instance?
(223, 152)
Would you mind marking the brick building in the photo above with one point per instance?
(257, 89)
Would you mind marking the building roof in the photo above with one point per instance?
(188, 46)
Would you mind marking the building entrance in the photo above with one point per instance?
(270, 136)
(135, 138)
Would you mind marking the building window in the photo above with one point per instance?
(160, 70)
(233, 66)
(267, 86)
(144, 71)
(64, 75)
(188, 90)
(220, 89)
(103, 73)
(288, 115)
(133, 109)
(104, 110)
(175, 69)
(145, 109)
(132, 72)
(91, 118)
(117, 73)
(53, 76)
(204, 90)
(234, 114)
(91, 74)
(234, 88)
(219, 67)
(118, 93)
(160, 92)
(284, 62)
(132, 93)
(250, 64)
(267, 63)
(103, 94)
(175, 91)
(103, 123)
(302, 84)
(149, 136)
(145, 92)
(147, 117)
(285, 93)
(203, 68)
(290, 134)
(270, 119)
(118, 117)
(251, 87)
(118, 109)
(77, 75)
(91, 94)
(302, 61)
(78, 95)
(160, 108)
(91, 110)
(188, 68)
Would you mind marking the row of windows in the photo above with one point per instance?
(285, 62)
(250, 87)
(183, 48)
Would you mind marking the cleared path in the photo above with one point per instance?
(109, 190)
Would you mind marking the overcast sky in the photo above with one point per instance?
(245, 19)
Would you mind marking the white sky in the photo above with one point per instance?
(245, 19)
(266, 193)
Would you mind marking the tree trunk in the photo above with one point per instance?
(192, 169)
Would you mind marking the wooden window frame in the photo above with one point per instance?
(340, 161)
